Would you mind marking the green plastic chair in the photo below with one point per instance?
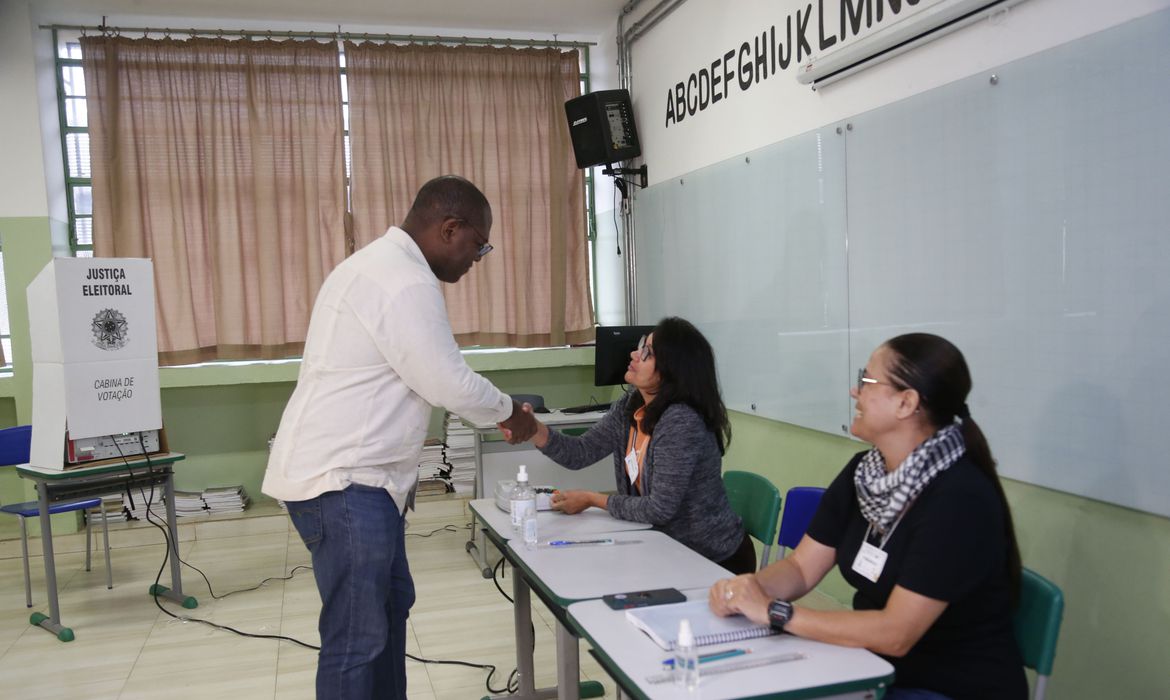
(1037, 624)
(757, 501)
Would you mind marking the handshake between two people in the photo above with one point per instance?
(522, 426)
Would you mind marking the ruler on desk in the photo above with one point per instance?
(731, 666)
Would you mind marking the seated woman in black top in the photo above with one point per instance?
(919, 525)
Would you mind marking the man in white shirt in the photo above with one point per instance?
(379, 353)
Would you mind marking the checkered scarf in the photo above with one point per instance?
(884, 495)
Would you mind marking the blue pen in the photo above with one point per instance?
(569, 543)
(714, 656)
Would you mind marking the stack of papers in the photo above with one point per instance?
(432, 464)
(460, 454)
(136, 505)
(226, 499)
(111, 510)
(189, 503)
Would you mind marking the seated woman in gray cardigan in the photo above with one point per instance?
(667, 437)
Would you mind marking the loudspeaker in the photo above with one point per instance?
(601, 125)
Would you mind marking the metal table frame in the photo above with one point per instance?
(62, 485)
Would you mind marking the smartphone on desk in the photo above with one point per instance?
(642, 599)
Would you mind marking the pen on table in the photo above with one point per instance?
(569, 543)
(714, 656)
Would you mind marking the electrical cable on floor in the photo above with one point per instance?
(445, 528)
(490, 668)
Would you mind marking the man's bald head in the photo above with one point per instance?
(450, 221)
(447, 196)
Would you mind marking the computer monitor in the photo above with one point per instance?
(612, 352)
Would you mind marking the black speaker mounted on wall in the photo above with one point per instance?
(602, 128)
(601, 125)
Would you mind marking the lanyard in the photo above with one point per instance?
(886, 538)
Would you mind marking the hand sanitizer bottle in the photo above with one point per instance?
(523, 500)
(686, 659)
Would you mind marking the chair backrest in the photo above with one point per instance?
(800, 503)
(756, 500)
(14, 445)
(1037, 621)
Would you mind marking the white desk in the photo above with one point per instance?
(553, 525)
(638, 560)
(496, 460)
(827, 670)
(550, 525)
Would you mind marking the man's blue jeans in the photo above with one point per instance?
(357, 541)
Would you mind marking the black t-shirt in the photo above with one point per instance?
(951, 545)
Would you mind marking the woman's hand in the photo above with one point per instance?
(741, 595)
(573, 502)
(538, 438)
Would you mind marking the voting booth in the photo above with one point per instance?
(95, 361)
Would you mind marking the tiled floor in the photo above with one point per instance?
(126, 648)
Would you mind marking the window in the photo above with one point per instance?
(72, 106)
(75, 144)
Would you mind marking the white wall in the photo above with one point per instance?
(610, 266)
(777, 107)
(22, 179)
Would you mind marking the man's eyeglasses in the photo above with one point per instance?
(862, 380)
(484, 248)
(646, 352)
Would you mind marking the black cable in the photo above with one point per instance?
(490, 668)
(445, 528)
(291, 573)
(166, 557)
(495, 570)
(617, 234)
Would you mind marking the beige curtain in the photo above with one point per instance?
(495, 116)
(223, 162)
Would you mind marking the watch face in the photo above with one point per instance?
(779, 613)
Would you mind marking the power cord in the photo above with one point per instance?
(490, 668)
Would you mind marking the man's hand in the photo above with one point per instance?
(521, 425)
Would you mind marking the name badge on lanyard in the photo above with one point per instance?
(869, 561)
(632, 465)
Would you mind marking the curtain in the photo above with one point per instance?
(223, 161)
(495, 116)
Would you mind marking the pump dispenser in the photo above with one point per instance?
(523, 505)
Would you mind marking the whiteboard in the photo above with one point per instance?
(752, 251)
(1027, 219)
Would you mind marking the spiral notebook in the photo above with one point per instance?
(660, 622)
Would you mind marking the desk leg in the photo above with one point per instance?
(477, 543)
(175, 593)
(568, 665)
(522, 618)
(53, 621)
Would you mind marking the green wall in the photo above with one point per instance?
(224, 429)
(1112, 563)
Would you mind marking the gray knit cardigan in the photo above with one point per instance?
(682, 481)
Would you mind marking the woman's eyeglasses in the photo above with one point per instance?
(646, 352)
(862, 380)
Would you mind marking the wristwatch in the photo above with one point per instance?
(779, 613)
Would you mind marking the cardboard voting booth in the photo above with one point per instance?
(94, 352)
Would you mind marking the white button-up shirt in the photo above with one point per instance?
(379, 353)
